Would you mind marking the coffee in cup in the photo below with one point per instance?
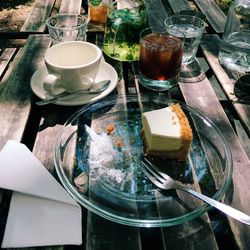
(72, 66)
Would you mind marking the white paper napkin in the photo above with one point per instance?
(41, 212)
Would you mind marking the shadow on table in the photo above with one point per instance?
(191, 73)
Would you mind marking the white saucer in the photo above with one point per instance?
(106, 72)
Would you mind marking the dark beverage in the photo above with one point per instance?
(160, 56)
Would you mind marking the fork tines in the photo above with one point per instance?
(153, 169)
(153, 173)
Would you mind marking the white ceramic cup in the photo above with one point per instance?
(72, 66)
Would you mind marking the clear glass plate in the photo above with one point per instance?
(101, 171)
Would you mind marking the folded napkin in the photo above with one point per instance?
(41, 212)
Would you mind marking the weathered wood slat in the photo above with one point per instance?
(243, 137)
(212, 79)
(213, 13)
(50, 125)
(106, 235)
(70, 6)
(38, 15)
(15, 95)
(210, 45)
(202, 97)
(177, 5)
(216, 86)
(5, 58)
(36, 21)
(198, 235)
(10, 68)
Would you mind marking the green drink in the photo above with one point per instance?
(123, 26)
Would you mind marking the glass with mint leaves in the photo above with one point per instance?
(122, 31)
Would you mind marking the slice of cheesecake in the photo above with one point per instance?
(167, 133)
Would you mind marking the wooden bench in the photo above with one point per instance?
(6, 55)
(36, 21)
(214, 15)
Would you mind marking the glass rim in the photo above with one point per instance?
(195, 13)
(84, 20)
(65, 43)
(188, 17)
(162, 30)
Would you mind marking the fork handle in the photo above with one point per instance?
(234, 213)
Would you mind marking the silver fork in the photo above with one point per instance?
(165, 182)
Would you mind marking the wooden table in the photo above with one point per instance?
(37, 127)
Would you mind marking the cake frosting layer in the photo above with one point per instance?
(167, 132)
(160, 125)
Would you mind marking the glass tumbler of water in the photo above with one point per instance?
(192, 27)
(234, 51)
(67, 27)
